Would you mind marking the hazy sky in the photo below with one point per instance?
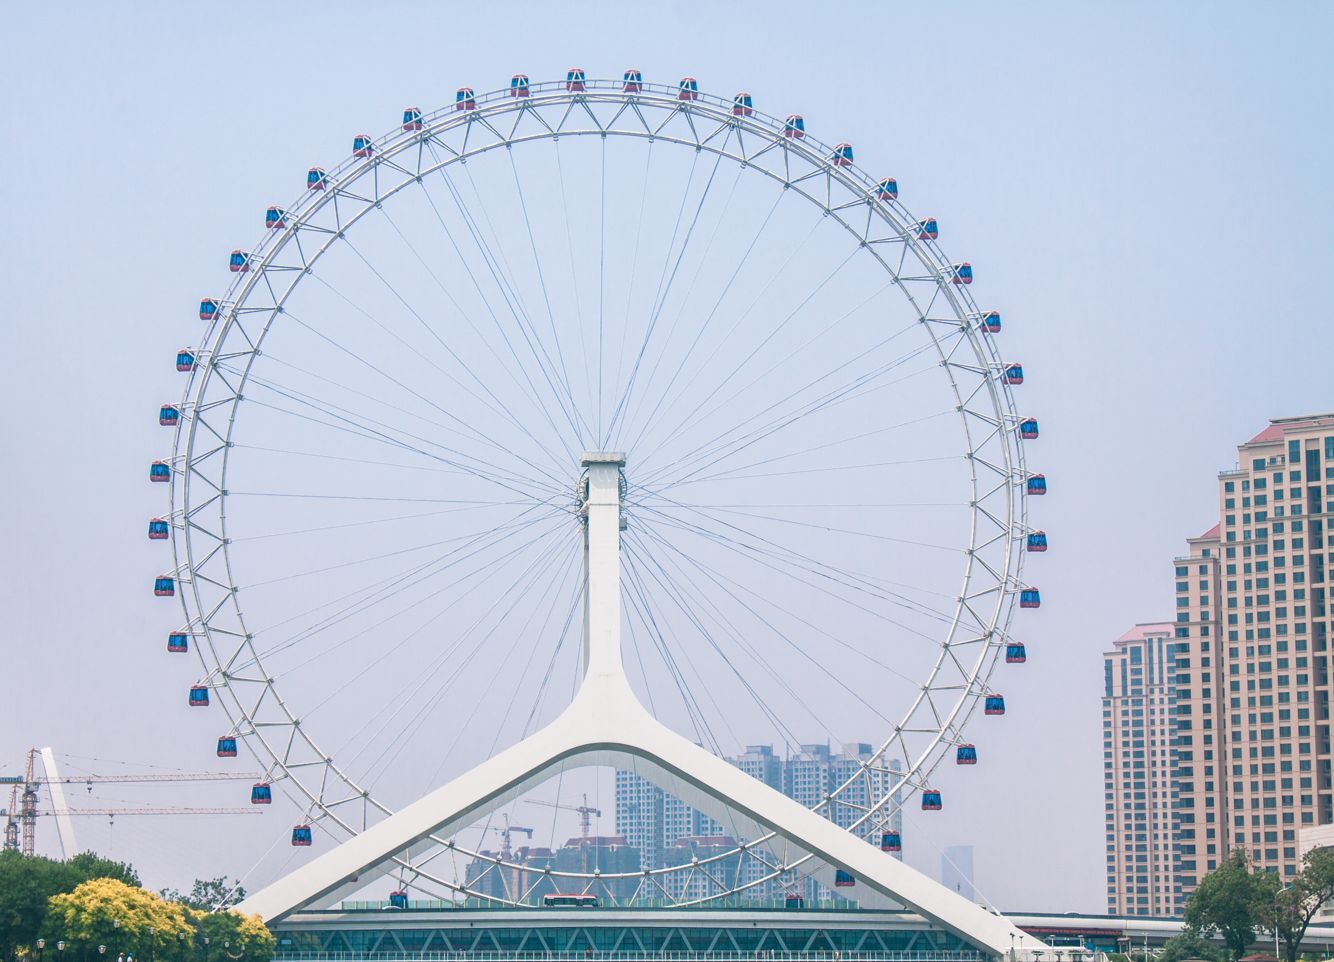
(1143, 188)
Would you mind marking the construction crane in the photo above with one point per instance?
(505, 850)
(584, 810)
(21, 816)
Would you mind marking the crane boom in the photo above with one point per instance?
(584, 811)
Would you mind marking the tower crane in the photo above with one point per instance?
(584, 810)
(505, 850)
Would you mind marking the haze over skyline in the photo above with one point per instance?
(1143, 192)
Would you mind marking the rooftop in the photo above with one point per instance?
(1274, 432)
(1146, 630)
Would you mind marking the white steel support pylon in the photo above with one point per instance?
(605, 725)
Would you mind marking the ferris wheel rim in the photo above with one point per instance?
(497, 103)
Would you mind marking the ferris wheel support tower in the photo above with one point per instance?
(605, 725)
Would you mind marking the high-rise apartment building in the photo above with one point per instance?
(1252, 753)
(1139, 762)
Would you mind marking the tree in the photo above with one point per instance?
(122, 917)
(1190, 945)
(1226, 901)
(240, 938)
(28, 881)
(1290, 911)
(208, 894)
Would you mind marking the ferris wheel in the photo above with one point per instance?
(380, 466)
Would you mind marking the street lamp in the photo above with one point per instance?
(41, 948)
(152, 934)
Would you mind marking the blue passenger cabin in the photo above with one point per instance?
(164, 586)
(185, 360)
(965, 755)
(159, 471)
(275, 217)
(398, 899)
(843, 879)
(301, 837)
(794, 126)
(465, 99)
(928, 229)
(519, 85)
(261, 794)
(363, 146)
(169, 415)
(962, 273)
(1014, 374)
(178, 642)
(316, 179)
(887, 189)
(198, 697)
(1037, 484)
(743, 105)
(574, 80)
(159, 530)
(891, 842)
(931, 800)
(1015, 653)
(1037, 541)
(412, 118)
(993, 705)
(633, 81)
(794, 900)
(1028, 429)
(842, 156)
(687, 89)
(208, 309)
(991, 322)
(1030, 598)
(227, 746)
(238, 262)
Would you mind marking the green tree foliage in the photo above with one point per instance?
(208, 894)
(1291, 909)
(27, 882)
(122, 917)
(1190, 945)
(1226, 902)
(237, 937)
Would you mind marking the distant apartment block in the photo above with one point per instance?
(1139, 762)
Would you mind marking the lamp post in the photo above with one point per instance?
(41, 949)
(152, 935)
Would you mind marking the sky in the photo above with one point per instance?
(1142, 188)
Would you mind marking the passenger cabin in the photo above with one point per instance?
(928, 229)
(891, 842)
(316, 179)
(398, 899)
(465, 99)
(993, 705)
(227, 746)
(169, 415)
(842, 156)
(1014, 374)
(363, 146)
(238, 262)
(1030, 598)
(164, 586)
(185, 360)
(274, 218)
(261, 793)
(887, 189)
(1037, 485)
(159, 471)
(743, 105)
(633, 81)
(519, 85)
(991, 322)
(794, 900)
(843, 879)
(687, 89)
(412, 118)
(962, 273)
(159, 530)
(198, 697)
(178, 642)
(930, 800)
(301, 837)
(1015, 653)
(1028, 429)
(574, 80)
(794, 127)
(965, 755)
(208, 309)
(1037, 541)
